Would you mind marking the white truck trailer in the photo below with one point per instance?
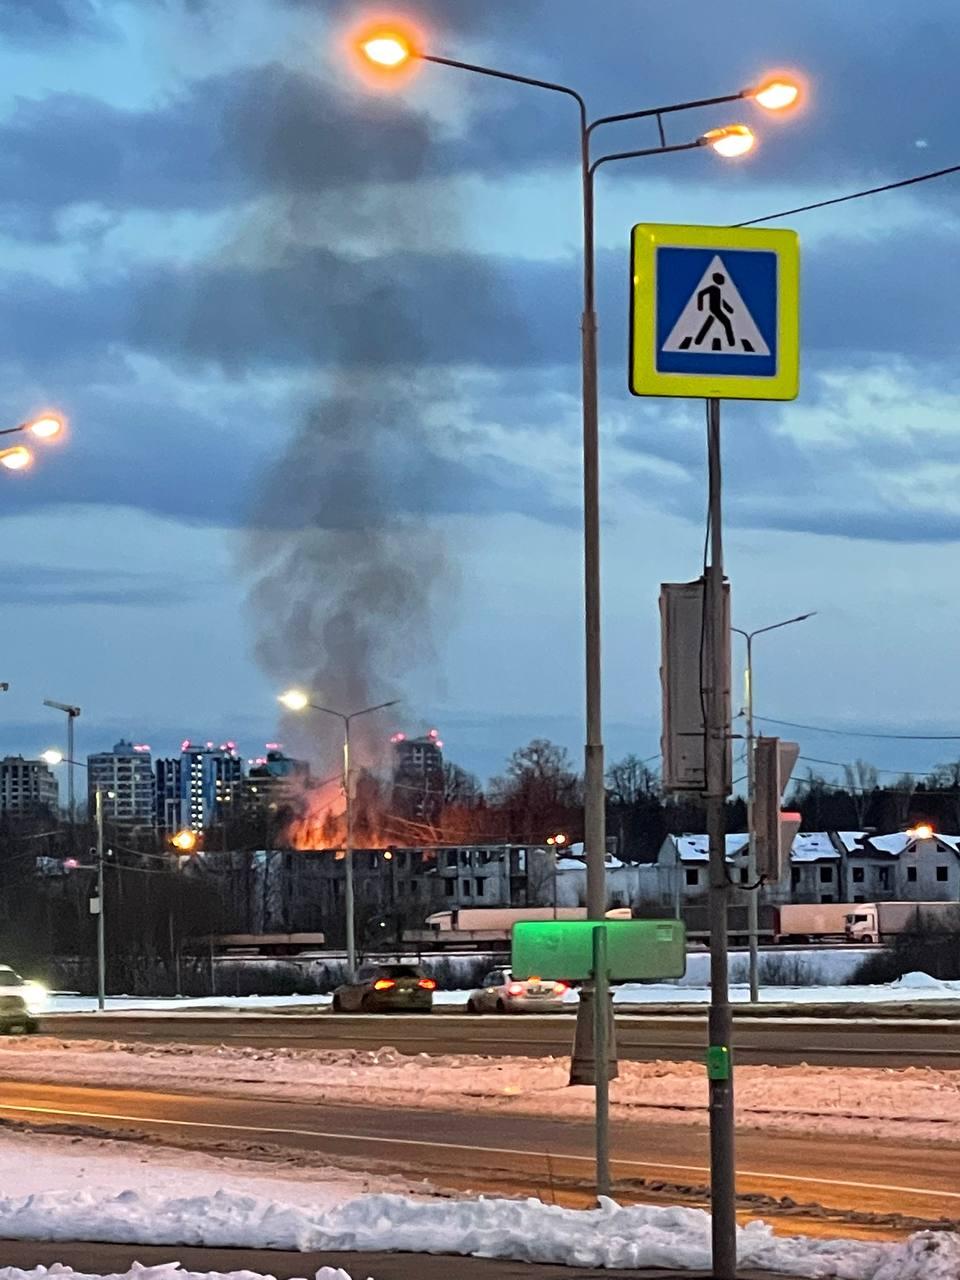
(881, 921)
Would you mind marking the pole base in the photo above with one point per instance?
(583, 1061)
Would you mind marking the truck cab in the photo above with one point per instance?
(863, 925)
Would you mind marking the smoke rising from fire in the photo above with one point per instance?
(346, 569)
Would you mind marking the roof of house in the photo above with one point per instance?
(692, 848)
(813, 846)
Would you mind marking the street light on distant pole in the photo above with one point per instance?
(297, 700)
(71, 712)
(753, 901)
(54, 757)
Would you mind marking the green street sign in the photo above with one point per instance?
(637, 950)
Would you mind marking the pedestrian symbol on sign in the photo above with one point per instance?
(716, 319)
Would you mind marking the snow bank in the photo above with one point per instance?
(916, 1103)
(522, 1230)
(923, 982)
(165, 1271)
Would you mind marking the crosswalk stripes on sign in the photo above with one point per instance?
(716, 319)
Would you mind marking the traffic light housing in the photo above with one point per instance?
(773, 830)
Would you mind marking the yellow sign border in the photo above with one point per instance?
(644, 377)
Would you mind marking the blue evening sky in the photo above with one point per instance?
(319, 348)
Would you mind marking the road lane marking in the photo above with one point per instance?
(455, 1146)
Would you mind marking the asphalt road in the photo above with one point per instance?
(511, 1151)
(850, 1041)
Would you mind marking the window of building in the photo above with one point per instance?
(450, 886)
(858, 897)
(827, 897)
(826, 875)
(452, 858)
(858, 875)
(466, 888)
(883, 876)
(942, 874)
(479, 889)
(693, 878)
(744, 875)
(912, 875)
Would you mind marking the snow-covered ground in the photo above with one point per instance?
(693, 989)
(105, 1191)
(920, 1104)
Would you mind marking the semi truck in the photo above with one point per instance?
(484, 926)
(881, 921)
(812, 922)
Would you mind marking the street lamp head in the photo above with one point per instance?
(46, 426)
(387, 48)
(294, 700)
(776, 93)
(184, 841)
(16, 459)
(52, 756)
(731, 141)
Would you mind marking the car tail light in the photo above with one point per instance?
(560, 988)
(428, 984)
(383, 984)
(516, 989)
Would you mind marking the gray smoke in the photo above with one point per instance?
(346, 567)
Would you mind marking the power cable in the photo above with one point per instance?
(859, 733)
(854, 195)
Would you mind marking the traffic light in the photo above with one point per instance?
(685, 683)
(773, 831)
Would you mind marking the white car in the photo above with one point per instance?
(501, 993)
(33, 994)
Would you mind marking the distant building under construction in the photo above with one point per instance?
(418, 778)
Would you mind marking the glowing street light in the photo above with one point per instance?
(184, 841)
(922, 831)
(16, 459)
(775, 94)
(731, 141)
(46, 426)
(294, 700)
(52, 757)
(387, 48)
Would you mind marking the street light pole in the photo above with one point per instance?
(101, 914)
(295, 700)
(753, 891)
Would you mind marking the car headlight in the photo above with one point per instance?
(35, 996)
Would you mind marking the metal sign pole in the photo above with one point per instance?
(601, 1015)
(719, 1059)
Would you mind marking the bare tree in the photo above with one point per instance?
(901, 798)
(629, 781)
(539, 788)
(861, 782)
(460, 787)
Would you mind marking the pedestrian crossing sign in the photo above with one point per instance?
(714, 312)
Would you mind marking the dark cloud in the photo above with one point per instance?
(270, 127)
(30, 20)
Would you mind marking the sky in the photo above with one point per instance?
(318, 343)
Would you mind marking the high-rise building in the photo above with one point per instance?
(418, 777)
(27, 787)
(169, 804)
(272, 782)
(211, 779)
(125, 779)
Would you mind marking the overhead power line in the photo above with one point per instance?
(854, 195)
(863, 733)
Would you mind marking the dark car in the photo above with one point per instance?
(15, 1016)
(386, 988)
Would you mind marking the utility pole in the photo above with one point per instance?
(348, 856)
(714, 682)
(101, 929)
(753, 891)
